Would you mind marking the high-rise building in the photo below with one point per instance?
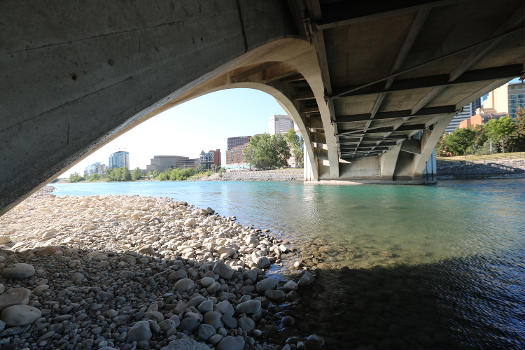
(497, 100)
(465, 113)
(516, 93)
(236, 141)
(210, 158)
(95, 168)
(280, 124)
(119, 159)
(161, 163)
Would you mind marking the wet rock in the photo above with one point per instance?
(249, 307)
(266, 284)
(14, 296)
(231, 343)
(18, 271)
(20, 315)
(139, 331)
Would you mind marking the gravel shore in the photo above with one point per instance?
(130, 272)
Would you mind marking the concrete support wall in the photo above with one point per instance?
(77, 78)
(388, 161)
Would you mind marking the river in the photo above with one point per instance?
(398, 266)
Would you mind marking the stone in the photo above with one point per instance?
(249, 307)
(168, 326)
(20, 315)
(18, 271)
(14, 296)
(262, 262)
(246, 323)
(229, 321)
(287, 321)
(196, 300)
(213, 318)
(189, 324)
(38, 290)
(206, 281)
(186, 344)
(139, 331)
(250, 274)
(205, 306)
(205, 331)
(215, 339)
(213, 288)
(5, 239)
(184, 285)
(77, 278)
(2, 288)
(225, 307)
(231, 343)
(289, 286)
(306, 279)
(223, 270)
(177, 275)
(275, 295)
(314, 342)
(154, 315)
(266, 284)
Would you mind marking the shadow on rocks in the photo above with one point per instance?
(88, 299)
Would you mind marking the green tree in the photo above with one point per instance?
(296, 146)
(136, 174)
(500, 131)
(267, 152)
(460, 141)
(94, 177)
(75, 177)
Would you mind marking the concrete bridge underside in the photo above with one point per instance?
(371, 85)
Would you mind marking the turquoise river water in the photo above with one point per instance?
(399, 266)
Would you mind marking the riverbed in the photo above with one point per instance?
(399, 266)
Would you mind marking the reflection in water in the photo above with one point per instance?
(399, 266)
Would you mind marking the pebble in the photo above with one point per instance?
(306, 279)
(20, 315)
(184, 285)
(266, 284)
(231, 343)
(205, 306)
(275, 295)
(14, 296)
(223, 270)
(185, 344)
(18, 271)
(139, 331)
(205, 331)
(289, 286)
(225, 307)
(246, 323)
(213, 318)
(249, 307)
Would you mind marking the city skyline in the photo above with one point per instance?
(203, 123)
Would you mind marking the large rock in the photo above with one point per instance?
(20, 315)
(275, 295)
(231, 343)
(205, 306)
(186, 344)
(139, 331)
(189, 324)
(262, 262)
(184, 284)
(18, 271)
(289, 286)
(306, 279)
(14, 296)
(266, 284)
(223, 270)
(206, 281)
(249, 307)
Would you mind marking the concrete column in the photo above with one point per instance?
(428, 142)
(388, 162)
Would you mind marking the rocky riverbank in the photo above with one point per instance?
(130, 272)
(291, 174)
(480, 169)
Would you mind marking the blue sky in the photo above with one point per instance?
(203, 123)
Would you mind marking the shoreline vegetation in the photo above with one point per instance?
(133, 272)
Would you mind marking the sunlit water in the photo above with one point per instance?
(423, 265)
